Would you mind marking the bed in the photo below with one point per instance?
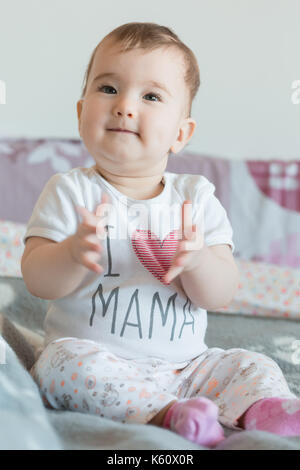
(263, 317)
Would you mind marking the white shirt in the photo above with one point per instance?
(128, 307)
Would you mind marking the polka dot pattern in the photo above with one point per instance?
(266, 290)
(11, 248)
(234, 379)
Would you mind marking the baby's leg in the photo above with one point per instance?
(276, 415)
(82, 375)
(196, 419)
(234, 380)
(159, 418)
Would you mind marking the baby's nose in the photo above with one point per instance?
(129, 114)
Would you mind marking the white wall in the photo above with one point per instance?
(248, 52)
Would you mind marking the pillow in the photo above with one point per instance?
(25, 167)
(265, 211)
(266, 290)
(11, 248)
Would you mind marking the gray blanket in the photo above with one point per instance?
(26, 424)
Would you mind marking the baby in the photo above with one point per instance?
(124, 339)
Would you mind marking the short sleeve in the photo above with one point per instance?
(54, 215)
(216, 226)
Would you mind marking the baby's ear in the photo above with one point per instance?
(79, 109)
(186, 131)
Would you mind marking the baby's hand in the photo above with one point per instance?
(187, 256)
(85, 245)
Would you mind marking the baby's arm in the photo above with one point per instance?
(51, 270)
(48, 269)
(213, 284)
(209, 274)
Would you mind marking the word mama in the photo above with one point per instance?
(133, 318)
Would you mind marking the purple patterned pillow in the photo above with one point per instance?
(25, 167)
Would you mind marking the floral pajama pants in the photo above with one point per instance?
(83, 375)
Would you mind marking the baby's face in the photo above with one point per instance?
(128, 100)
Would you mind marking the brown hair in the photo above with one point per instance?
(152, 36)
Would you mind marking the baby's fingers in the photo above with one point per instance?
(96, 268)
(89, 220)
(100, 208)
(84, 213)
(90, 246)
(85, 261)
(173, 272)
(181, 259)
(178, 264)
(86, 229)
(195, 242)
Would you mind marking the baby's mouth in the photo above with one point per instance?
(124, 131)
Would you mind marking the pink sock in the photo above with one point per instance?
(196, 419)
(276, 415)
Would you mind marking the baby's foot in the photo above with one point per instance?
(276, 415)
(196, 419)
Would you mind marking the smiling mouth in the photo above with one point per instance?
(126, 132)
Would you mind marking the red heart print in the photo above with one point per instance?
(154, 254)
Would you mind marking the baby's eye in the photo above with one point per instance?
(104, 86)
(148, 94)
(154, 94)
